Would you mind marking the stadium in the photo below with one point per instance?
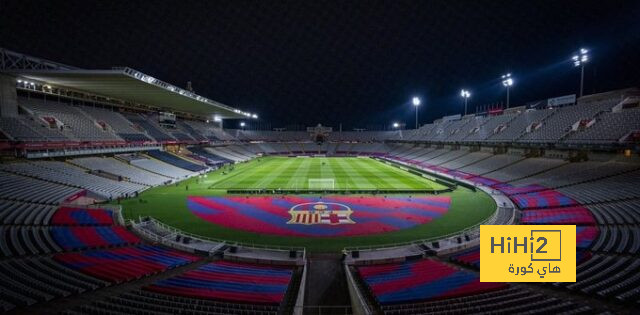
(122, 192)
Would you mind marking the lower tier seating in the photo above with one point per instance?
(147, 302)
(568, 215)
(230, 281)
(28, 281)
(504, 301)
(79, 216)
(124, 264)
(421, 280)
(83, 237)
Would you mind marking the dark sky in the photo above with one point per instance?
(351, 62)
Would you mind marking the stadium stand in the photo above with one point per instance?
(64, 173)
(230, 281)
(176, 161)
(128, 172)
(124, 264)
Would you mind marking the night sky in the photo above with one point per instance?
(352, 62)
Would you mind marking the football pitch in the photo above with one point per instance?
(347, 173)
(173, 204)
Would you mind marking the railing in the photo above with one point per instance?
(216, 240)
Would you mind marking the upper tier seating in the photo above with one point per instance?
(609, 127)
(420, 280)
(20, 188)
(518, 126)
(491, 164)
(77, 123)
(558, 124)
(126, 263)
(141, 301)
(487, 129)
(230, 281)
(113, 166)
(26, 240)
(142, 123)
(120, 125)
(505, 301)
(176, 161)
(18, 130)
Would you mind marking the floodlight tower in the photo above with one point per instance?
(416, 103)
(396, 125)
(465, 94)
(507, 82)
(578, 61)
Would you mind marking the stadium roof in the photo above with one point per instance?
(118, 83)
(131, 85)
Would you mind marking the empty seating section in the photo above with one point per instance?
(126, 263)
(518, 126)
(542, 199)
(620, 212)
(79, 124)
(142, 123)
(80, 216)
(65, 173)
(113, 166)
(83, 237)
(24, 282)
(573, 173)
(230, 281)
(610, 127)
(489, 128)
(176, 161)
(619, 187)
(191, 131)
(491, 164)
(17, 130)
(524, 168)
(20, 188)
(568, 215)
(421, 280)
(26, 240)
(24, 213)
(559, 123)
(120, 125)
(161, 168)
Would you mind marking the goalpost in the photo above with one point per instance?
(321, 183)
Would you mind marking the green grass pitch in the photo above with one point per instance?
(345, 173)
(168, 203)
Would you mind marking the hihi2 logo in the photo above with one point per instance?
(527, 253)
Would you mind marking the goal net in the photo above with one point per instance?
(321, 183)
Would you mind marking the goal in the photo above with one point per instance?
(321, 183)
